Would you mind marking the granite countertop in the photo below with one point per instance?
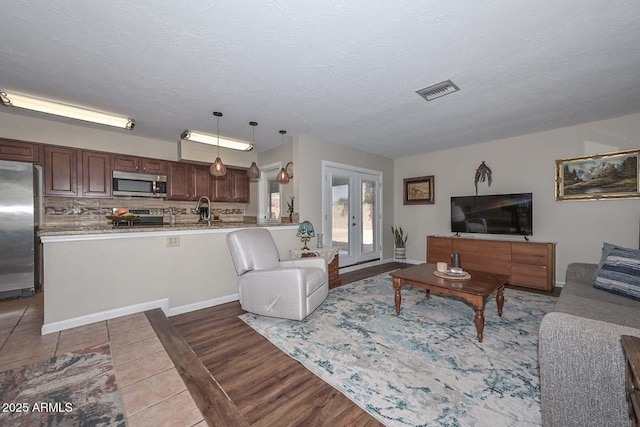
(108, 228)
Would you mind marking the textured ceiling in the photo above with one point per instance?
(342, 71)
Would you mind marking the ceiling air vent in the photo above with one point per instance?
(436, 91)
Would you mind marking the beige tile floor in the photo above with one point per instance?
(152, 391)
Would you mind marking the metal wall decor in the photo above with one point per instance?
(483, 172)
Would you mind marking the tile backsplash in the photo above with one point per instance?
(84, 211)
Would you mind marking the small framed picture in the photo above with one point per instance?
(419, 190)
(604, 176)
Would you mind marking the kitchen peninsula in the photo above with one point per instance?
(101, 272)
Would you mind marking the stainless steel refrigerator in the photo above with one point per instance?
(20, 213)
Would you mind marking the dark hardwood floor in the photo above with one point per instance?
(250, 378)
(266, 386)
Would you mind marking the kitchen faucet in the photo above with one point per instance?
(208, 217)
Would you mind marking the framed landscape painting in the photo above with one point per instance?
(604, 176)
(419, 190)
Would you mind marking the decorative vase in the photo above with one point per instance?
(455, 260)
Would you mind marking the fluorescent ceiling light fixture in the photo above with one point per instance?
(12, 99)
(205, 138)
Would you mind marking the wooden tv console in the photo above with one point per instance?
(528, 264)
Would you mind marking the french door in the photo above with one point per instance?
(352, 212)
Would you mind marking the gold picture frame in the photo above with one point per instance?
(603, 176)
(419, 190)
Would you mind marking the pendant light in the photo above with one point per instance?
(218, 168)
(283, 176)
(254, 171)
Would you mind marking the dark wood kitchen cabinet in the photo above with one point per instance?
(96, 174)
(139, 164)
(60, 171)
(188, 181)
(233, 187)
(20, 151)
(63, 166)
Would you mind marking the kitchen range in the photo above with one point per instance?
(123, 217)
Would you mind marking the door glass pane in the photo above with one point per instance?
(368, 215)
(340, 214)
(274, 199)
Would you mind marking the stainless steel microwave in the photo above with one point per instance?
(139, 184)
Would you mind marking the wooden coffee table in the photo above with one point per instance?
(474, 290)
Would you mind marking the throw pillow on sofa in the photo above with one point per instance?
(606, 250)
(620, 273)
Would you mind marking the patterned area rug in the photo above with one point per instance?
(75, 389)
(424, 367)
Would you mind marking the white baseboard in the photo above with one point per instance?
(202, 304)
(48, 328)
(132, 309)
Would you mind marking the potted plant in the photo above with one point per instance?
(400, 241)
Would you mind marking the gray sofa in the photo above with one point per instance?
(582, 366)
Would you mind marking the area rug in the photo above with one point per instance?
(426, 366)
(75, 389)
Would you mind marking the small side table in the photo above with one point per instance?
(330, 254)
(631, 347)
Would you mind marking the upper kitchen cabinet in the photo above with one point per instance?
(96, 174)
(60, 171)
(233, 187)
(188, 181)
(20, 151)
(62, 166)
(139, 164)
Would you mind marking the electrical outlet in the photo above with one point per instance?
(173, 241)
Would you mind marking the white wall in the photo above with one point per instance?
(32, 129)
(282, 154)
(89, 276)
(527, 164)
(308, 181)
(92, 137)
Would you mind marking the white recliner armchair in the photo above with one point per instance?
(270, 287)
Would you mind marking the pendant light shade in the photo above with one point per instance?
(218, 168)
(254, 171)
(283, 176)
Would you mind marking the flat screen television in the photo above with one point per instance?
(493, 214)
